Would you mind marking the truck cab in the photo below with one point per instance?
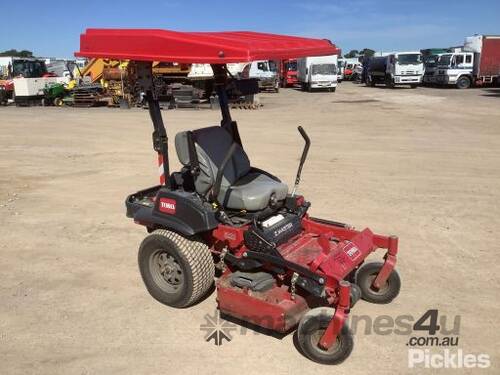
(340, 70)
(406, 68)
(430, 72)
(266, 72)
(289, 73)
(318, 72)
(397, 68)
(456, 69)
(323, 76)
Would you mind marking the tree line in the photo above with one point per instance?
(364, 52)
(16, 53)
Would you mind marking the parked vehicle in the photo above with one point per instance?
(288, 73)
(430, 69)
(266, 72)
(477, 63)
(317, 72)
(357, 73)
(430, 56)
(397, 68)
(340, 69)
(32, 91)
(350, 64)
(24, 79)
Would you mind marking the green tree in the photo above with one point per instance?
(16, 53)
(367, 52)
(352, 53)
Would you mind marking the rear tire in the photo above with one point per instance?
(176, 270)
(386, 293)
(413, 86)
(369, 82)
(463, 83)
(311, 328)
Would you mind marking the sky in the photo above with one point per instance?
(52, 28)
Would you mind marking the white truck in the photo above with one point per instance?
(477, 63)
(265, 71)
(396, 68)
(341, 63)
(318, 72)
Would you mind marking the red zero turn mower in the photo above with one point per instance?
(280, 268)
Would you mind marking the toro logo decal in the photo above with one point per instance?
(167, 205)
(351, 250)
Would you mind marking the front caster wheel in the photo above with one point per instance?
(177, 271)
(386, 293)
(311, 329)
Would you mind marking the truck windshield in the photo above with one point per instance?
(407, 59)
(431, 61)
(326, 69)
(292, 65)
(273, 67)
(444, 60)
(28, 69)
(262, 65)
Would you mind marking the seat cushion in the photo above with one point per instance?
(212, 145)
(252, 192)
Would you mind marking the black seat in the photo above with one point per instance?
(242, 187)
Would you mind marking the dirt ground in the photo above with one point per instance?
(423, 164)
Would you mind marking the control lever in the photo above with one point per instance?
(302, 158)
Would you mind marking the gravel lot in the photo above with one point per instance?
(423, 164)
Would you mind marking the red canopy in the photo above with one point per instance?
(198, 47)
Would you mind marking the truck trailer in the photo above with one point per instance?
(477, 63)
(396, 68)
(317, 72)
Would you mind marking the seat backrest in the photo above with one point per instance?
(211, 145)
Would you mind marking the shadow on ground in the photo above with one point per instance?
(491, 92)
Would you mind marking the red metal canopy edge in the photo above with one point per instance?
(198, 47)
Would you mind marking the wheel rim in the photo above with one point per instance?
(462, 83)
(314, 340)
(166, 271)
(378, 291)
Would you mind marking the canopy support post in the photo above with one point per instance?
(220, 75)
(160, 140)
